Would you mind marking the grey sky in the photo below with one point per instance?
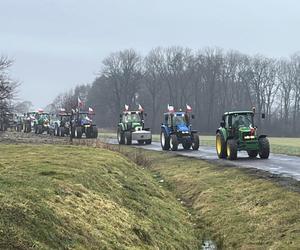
(60, 43)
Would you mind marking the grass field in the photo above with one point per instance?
(241, 209)
(279, 145)
(63, 197)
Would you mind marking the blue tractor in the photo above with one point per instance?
(177, 129)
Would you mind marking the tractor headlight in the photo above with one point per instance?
(249, 137)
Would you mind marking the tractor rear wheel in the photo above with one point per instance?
(252, 153)
(62, 131)
(73, 132)
(164, 140)
(120, 136)
(128, 138)
(78, 132)
(264, 148)
(220, 146)
(195, 141)
(231, 149)
(174, 142)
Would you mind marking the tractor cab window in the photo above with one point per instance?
(179, 119)
(133, 117)
(242, 120)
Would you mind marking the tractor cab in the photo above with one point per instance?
(133, 119)
(238, 132)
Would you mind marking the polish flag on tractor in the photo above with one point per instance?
(126, 107)
(141, 109)
(170, 108)
(80, 103)
(91, 110)
(188, 108)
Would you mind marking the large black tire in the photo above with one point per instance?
(62, 131)
(252, 153)
(221, 146)
(231, 149)
(164, 140)
(186, 145)
(73, 132)
(174, 143)
(195, 141)
(264, 148)
(94, 132)
(120, 136)
(128, 138)
(78, 132)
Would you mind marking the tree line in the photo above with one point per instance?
(210, 80)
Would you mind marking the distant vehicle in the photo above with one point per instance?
(177, 129)
(82, 123)
(131, 127)
(62, 125)
(42, 123)
(237, 132)
(29, 121)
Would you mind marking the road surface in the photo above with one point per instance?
(279, 164)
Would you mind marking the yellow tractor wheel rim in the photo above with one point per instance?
(228, 150)
(219, 144)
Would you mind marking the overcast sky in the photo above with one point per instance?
(57, 44)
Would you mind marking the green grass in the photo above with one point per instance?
(63, 197)
(239, 208)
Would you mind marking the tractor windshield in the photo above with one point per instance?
(179, 119)
(132, 118)
(242, 120)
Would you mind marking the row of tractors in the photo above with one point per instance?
(237, 132)
(75, 123)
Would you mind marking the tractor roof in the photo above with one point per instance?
(132, 112)
(238, 112)
(175, 113)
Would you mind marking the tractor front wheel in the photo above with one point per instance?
(164, 141)
(95, 132)
(120, 136)
(231, 149)
(62, 131)
(220, 146)
(140, 142)
(252, 153)
(195, 141)
(128, 138)
(174, 142)
(264, 148)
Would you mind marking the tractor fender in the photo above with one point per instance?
(262, 136)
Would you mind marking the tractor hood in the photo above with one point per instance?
(244, 129)
(182, 128)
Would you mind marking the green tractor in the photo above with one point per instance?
(238, 133)
(42, 123)
(131, 127)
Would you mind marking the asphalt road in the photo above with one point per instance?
(283, 165)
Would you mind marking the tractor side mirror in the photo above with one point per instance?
(263, 115)
(222, 124)
(193, 116)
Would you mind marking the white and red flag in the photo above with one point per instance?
(91, 110)
(188, 108)
(80, 102)
(141, 108)
(126, 107)
(170, 108)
